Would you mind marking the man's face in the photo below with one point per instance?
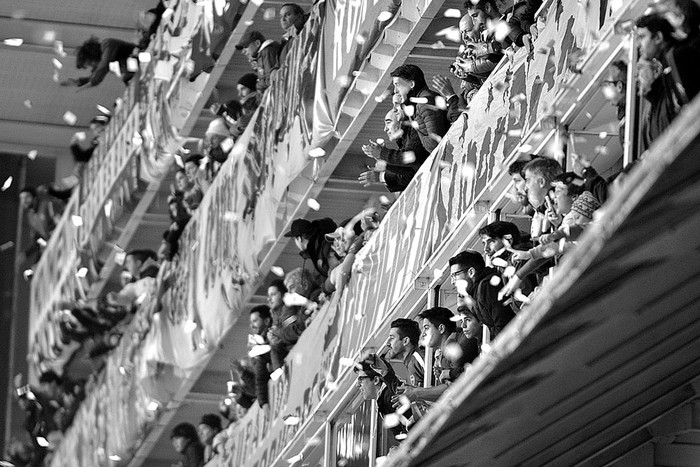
(181, 181)
(459, 272)
(132, 265)
(392, 125)
(479, 18)
(252, 50)
(649, 43)
(471, 327)
(395, 343)
(206, 433)
(562, 200)
(367, 387)
(519, 188)
(26, 200)
(402, 87)
(491, 245)
(615, 88)
(257, 324)
(430, 336)
(289, 18)
(535, 187)
(466, 27)
(243, 91)
(179, 443)
(191, 171)
(274, 297)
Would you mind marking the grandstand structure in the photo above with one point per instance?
(602, 368)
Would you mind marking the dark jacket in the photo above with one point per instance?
(661, 108)
(113, 50)
(193, 455)
(265, 62)
(319, 248)
(397, 177)
(492, 312)
(415, 365)
(431, 120)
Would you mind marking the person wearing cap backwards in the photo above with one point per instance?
(262, 54)
(310, 238)
(209, 426)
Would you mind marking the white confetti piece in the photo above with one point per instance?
(58, 48)
(603, 134)
(409, 110)
(141, 298)
(453, 351)
(114, 458)
(167, 13)
(137, 140)
(317, 152)
(7, 245)
(495, 281)
(456, 319)
(419, 100)
(346, 361)
(7, 184)
(114, 68)
(82, 272)
(77, 220)
(292, 420)
(28, 273)
(258, 350)
(384, 16)
(144, 57)
(57, 63)
(194, 245)
(294, 299)
(525, 148)
(132, 64)
(313, 204)
(32, 154)
(452, 13)
(391, 420)
(249, 22)
(277, 271)
(190, 326)
(231, 216)
(383, 199)
(440, 45)
(521, 297)
(440, 102)
(70, 118)
(277, 374)
(28, 103)
(13, 42)
(298, 457)
(509, 271)
(451, 34)
(269, 14)
(468, 171)
(153, 406)
(108, 207)
(499, 262)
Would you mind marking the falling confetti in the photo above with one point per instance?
(440, 102)
(231, 216)
(7, 184)
(452, 13)
(361, 38)
(468, 171)
(195, 244)
(313, 204)
(77, 221)
(453, 351)
(391, 420)
(509, 271)
(419, 100)
(114, 68)
(495, 281)
(153, 406)
(451, 34)
(291, 420)
(409, 110)
(277, 271)
(456, 319)
(277, 374)
(132, 64)
(27, 274)
(384, 16)
(190, 326)
(70, 118)
(13, 42)
(7, 245)
(294, 299)
(317, 152)
(58, 48)
(57, 63)
(383, 199)
(269, 14)
(499, 262)
(82, 272)
(28, 103)
(259, 350)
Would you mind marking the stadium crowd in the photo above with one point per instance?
(492, 285)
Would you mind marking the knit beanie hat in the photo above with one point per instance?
(249, 80)
(217, 127)
(585, 204)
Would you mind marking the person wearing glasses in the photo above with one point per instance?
(478, 287)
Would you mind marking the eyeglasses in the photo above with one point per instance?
(611, 82)
(454, 276)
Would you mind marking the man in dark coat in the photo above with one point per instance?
(469, 266)
(419, 105)
(262, 54)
